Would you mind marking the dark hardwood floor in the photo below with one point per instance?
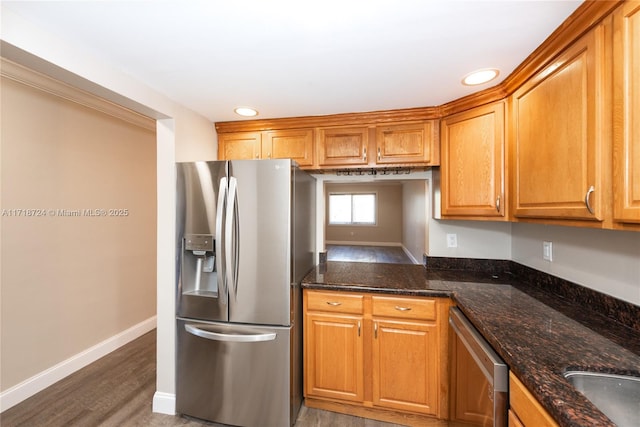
(377, 254)
(117, 391)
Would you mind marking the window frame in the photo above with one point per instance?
(352, 223)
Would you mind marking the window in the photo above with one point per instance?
(357, 208)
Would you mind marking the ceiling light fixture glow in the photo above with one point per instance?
(479, 77)
(246, 111)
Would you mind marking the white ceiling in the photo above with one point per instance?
(292, 58)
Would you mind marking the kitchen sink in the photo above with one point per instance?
(617, 396)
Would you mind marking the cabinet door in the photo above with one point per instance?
(289, 144)
(472, 168)
(558, 135)
(343, 147)
(405, 366)
(626, 148)
(239, 145)
(334, 357)
(406, 144)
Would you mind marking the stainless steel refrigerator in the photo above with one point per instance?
(245, 239)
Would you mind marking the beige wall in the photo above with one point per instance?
(414, 214)
(387, 231)
(70, 282)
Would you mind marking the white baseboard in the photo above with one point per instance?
(410, 255)
(336, 242)
(164, 403)
(44, 379)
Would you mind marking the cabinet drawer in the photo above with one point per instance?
(405, 308)
(335, 302)
(526, 407)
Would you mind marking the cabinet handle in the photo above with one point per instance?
(402, 308)
(257, 156)
(498, 204)
(358, 328)
(586, 199)
(334, 303)
(375, 330)
(378, 153)
(364, 157)
(269, 155)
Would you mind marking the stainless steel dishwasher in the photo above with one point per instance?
(480, 388)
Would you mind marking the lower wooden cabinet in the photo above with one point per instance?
(335, 351)
(405, 369)
(386, 355)
(525, 410)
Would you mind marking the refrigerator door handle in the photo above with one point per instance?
(231, 236)
(237, 336)
(220, 266)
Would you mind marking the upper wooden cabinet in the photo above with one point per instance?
(626, 135)
(239, 145)
(410, 143)
(343, 146)
(388, 145)
(296, 144)
(559, 135)
(473, 164)
(365, 145)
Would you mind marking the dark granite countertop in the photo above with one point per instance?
(539, 331)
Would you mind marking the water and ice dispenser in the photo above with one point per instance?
(199, 275)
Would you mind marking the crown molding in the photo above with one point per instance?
(347, 119)
(29, 77)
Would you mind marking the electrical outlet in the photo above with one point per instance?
(452, 240)
(547, 251)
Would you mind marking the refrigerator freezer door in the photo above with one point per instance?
(261, 292)
(233, 374)
(201, 289)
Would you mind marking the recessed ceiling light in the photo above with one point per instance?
(246, 111)
(479, 77)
